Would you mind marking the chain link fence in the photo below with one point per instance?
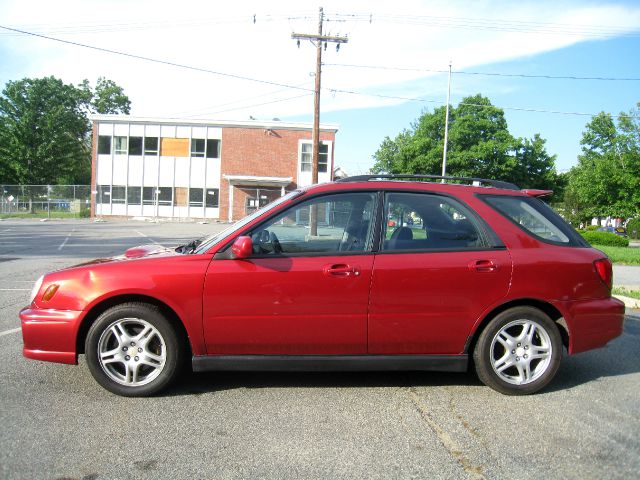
(45, 200)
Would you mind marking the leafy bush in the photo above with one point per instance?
(634, 225)
(605, 238)
(592, 228)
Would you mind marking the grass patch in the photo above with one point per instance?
(37, 215)
(626, 292)
(621, 255)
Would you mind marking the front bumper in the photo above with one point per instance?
(593, 323)
(50, 335)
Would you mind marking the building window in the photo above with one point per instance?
(120, 145)
(151, 145)
(149, 195)
(195, 197)
(197, 147)
(118, 194)
(306, 157)
(104, 145)
(104, 194)
(133, 195)
(165, 196)
(135, 145)
(323, 157)
(212, 197)
(213, 148)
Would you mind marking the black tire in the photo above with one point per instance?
(133, 350)
(532, 358)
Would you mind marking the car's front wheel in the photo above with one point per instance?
(519, 351)
(133, 350)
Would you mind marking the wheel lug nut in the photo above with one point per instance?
(519, 344)
(124, 349)
(525, 356)
(513, 352)
(526, 347)
(139, 350)
(133, 344)
(127, 358)
(517, 359)
(136, 358)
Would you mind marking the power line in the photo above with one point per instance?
(268, 82)
(489, 74)
(155, 60)
(507, 25)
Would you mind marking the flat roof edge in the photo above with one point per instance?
(212, 123)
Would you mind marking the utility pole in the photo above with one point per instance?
(446, 128)
(319, 40)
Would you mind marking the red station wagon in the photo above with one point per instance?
(367, 273)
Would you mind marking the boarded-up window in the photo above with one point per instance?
(174, 147)
(182, 194)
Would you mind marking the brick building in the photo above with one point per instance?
(150, 167)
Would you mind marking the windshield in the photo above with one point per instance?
(213, 239)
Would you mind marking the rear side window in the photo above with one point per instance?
(536, 218)
(419, 221)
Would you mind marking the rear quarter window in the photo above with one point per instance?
(536, 218)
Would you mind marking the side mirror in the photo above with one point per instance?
(242, 247)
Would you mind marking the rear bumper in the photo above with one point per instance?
(593, 323)
(50, 335)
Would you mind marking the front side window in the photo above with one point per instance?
(343, 224)
(416, 221)
(535, 217)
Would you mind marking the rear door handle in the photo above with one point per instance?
(483, 266)
(341, 270)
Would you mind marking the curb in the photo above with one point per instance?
(628, 301)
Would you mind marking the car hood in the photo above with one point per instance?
(142, 251)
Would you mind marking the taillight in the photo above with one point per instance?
(605, 271)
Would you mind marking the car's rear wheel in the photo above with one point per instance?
(133, 350)
(519, 351)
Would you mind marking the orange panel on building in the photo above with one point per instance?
(174, 147)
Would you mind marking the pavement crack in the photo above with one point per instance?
(475, 471)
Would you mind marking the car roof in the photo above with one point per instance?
(426, 183)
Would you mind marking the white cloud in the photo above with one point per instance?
(222, 37)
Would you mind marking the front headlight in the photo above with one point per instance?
(36, 289)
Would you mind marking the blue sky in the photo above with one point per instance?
(542, 37)
(363, 129)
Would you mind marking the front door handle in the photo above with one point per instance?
(341, 270)
(483, 266)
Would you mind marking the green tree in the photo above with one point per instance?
(45, 132)
(480, 145)
(606, 181)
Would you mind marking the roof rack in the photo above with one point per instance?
(479, 181)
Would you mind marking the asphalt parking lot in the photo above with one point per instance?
(57, 423)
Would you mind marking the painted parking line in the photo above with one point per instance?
(66, 240)
(146, 236)
(9, 332)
